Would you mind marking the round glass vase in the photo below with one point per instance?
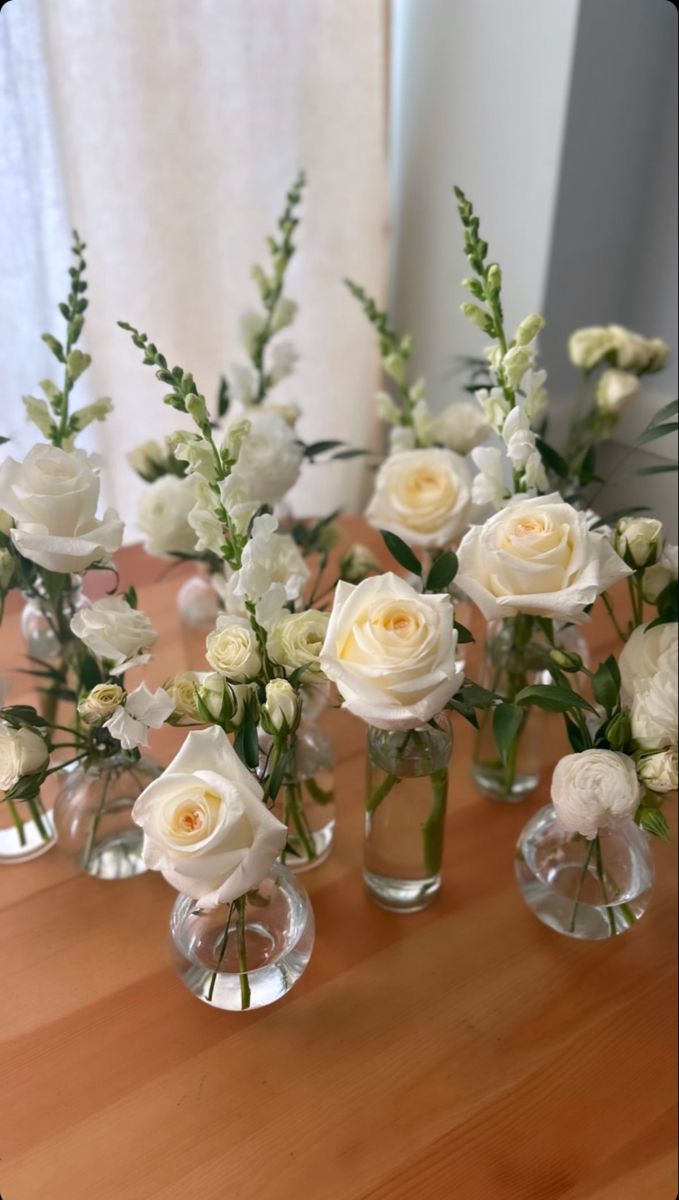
(198, 606)
(591, 888)
(248, 954)
(26, 830)
(93, 815)
(516, 653)
(407, 788)
(306, 800)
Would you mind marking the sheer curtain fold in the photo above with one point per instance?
(169, 134)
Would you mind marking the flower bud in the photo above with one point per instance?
(639, 540)
(515, 363)
(76, 363)
(197, 408)
(613, 391)
(529, 329)
(659, 772)
(659, 576)
(280, 713)
(395, 366)
(658, 351)
(495, 276)
(619, 730)
(387, 410)
(238, 433)
(566, 660)
(101, 703)
(477, 316)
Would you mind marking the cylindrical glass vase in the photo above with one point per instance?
(407, 788)
(237, 959)
(306, 800)
(590, 888)
(26, 830)
(516, 654)
(93, 815)
(198, 606)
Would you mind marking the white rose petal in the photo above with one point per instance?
(114, 631)
(593, 790)
(205, 825)
(659, 772)
(232, 649)
(391, 652)
(22, 752)
(296, 640)
(424, 496)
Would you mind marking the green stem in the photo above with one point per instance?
(600, 873)
(34, 808)
(222, 952)
(242, 954)
(89, 848)
(294, 810)
(609, 610)
(18, 823)
(581, 884)
(433, 829)
(380, 793)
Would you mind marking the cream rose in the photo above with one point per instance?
(424, 496)
(232, 649)
(461, 426)
(659, 772)
(296, 640)
(281, 710)
(639, 540)
(537, 556)
(115, 632)
(100, 703)
(206, 827)
(270, 457)
(391, 652)
(163, 515)
(593, 790)
(53, 496)
(661, 574)
(22, 752)
(648, 671)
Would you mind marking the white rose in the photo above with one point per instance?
(22, 752)
(614, 389)
(391, 652)
(114, 631)
(205, 825)
(593, 790)
(181, 689)
(296, 640)
(587, 347)
(53, 498)
(638, 540)
(213, 688)
(163, 516)
(659, 772)
(648, 671)
(270, 457)
(661, 574)
(537, 556)
(461, 426)
(281, 710)
(142, 710)
(424, 496)
(100, 703)
(232, 649)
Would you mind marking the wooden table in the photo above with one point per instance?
(464, 1052)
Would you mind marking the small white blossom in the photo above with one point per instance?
(143, 710)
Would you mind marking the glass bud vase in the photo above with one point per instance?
(584, 888)
(244, 960)
(39, 635)
(407, 787)
(306, 800)
(93, 815)
(515, 656)
(26, 830)
(198, 607)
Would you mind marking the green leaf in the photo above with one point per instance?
(246, 744)
(667, 605)
(575, 736)
(552, 698)
(442, 573)
(552, 459)
(315, 448)
(475, 695)
(606, 684)
(464, 637)
(401, 552)
(344, 454)
(459, 706)
(507, 722)
(21, 714)
(223, 397)
(669, 410)
(131, 596)
(278, 774)
(652, 820)
(664, 469)
(654, 432)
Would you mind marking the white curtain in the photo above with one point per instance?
(168, 134)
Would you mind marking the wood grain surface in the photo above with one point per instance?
(465, 1052)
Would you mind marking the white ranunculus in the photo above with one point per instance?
(587, 347)
(163, 516)
(142, 710)
(614, 389)
(460, 427)
(100, 703)
(232, 649)
(648, 671)
(593, 790)
(661, 574)
(296, 640)
(424, 496)
(22, 752)
(53, 496)
(489, 486)
(638, 540)
(115, 632)
(270, 457)
(659, 772)
(206, 827)
(537, 556)
(391, 652)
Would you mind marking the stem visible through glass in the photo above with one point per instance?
(433, 828)
(213, 979)
(242, 954)
(581, 883)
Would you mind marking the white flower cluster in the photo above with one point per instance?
(628, 356)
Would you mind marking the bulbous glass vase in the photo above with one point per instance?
(306, 800)
(407, 788)
(236, 962)
(584, 888)
(26, 830)
(93, 815)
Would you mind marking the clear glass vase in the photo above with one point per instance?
(584, 888)
(93, 815)
(407, 788)
(236, 959)
(516, 654)
(38, 633)
(26, 830)
(306, 800)
(198, 606)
